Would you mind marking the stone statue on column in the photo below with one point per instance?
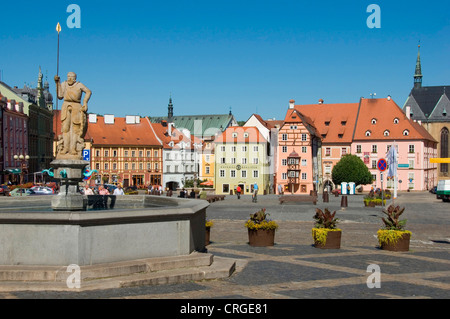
(73, 117)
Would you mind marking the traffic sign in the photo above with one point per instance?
(382, 165)
(87, 155)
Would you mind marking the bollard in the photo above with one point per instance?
(344, 201)
(326, 197)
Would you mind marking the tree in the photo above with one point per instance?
(351, 169)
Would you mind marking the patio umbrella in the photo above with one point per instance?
(207, 183)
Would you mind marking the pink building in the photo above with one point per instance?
(297, 169)
(381, 123)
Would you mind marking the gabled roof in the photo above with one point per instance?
(427, 97)
(383, 112)
(295, 116)
(254, 136)
(162, 132)
(334, 122)
(269, 124)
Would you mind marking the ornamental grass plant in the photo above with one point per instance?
(394, 228)
(259, 221)
(325, 221)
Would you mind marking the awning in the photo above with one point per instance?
(16, 171)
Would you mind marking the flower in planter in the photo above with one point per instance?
(325, 222)
(209, 223)
(393, 227)
(259, 220)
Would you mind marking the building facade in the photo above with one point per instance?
(241, 159)
(381, 124)
(298, 140)
(14, 143)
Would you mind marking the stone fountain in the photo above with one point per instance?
(137, 230)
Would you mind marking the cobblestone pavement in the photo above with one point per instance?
(293, 268)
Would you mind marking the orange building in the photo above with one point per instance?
(123, 150)
(335, 124)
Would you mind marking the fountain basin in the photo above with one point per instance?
(152, 226)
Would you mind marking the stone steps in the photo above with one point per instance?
(154, 271)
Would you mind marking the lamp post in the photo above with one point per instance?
(23, 164)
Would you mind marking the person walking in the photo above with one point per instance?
(255, 192)
(238, 192)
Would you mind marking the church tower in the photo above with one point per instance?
(418, 75)
(170, 109)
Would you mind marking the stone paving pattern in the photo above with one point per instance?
(293, 268)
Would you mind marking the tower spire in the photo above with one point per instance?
(170, 109)
(418, 75)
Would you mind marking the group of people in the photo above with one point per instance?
(239, 190)
(184, 194)
(103, 190)
(155, 189)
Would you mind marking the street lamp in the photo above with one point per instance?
(23, 159)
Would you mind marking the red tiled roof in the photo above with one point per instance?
(254, 136)
(384, 111)
(119, 133)
(328, 120)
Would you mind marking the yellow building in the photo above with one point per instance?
(241, 159)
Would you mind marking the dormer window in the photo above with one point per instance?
(245, 135)
(374, 121)
(234, 135)
(405, 133)
(386, 133)
(368, 133)
(396, 121)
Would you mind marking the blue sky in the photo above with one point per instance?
(252, 56)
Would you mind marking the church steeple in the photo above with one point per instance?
(418, 75)
(170, 109)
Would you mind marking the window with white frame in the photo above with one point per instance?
(283, 175)
(244, 148)
(284, 162)
(222, 148)
(255, 160)
(304, 137)
(358, 148)
(255, 148)
(304, 162)
(304, 176)
(222, 173)
(233, 173)
(411, 148)
(244, 160)
(374, 148)
(244, 174)
(284, 137)
(304, 149)
(284, 149)
(233, 160)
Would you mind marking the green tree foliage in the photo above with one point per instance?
(351, 169)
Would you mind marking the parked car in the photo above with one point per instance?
(4, 190)
(43, 190)
(433, 190)
(22, 192)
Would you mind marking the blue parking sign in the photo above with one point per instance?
(87, 155)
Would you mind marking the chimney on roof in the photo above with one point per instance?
(291, 104)
(408, 112)
(92, 118)
(320, 101)
(109, 119)
(389, 98)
